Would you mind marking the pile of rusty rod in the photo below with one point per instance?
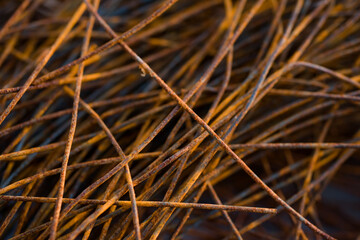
(180, 119)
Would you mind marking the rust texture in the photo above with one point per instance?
(179, 119)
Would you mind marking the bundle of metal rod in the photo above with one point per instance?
(179, 119)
